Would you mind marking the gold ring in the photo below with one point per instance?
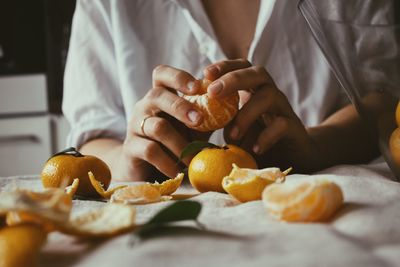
(142, 125)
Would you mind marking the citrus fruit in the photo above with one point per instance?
(64, 167)
(136, 194)
(248, 184)
(394, 146)
(303, 200)
(216, 112)
(169, 186)
(20, 245)
(100, 189)
(211, 165)
(398, 114)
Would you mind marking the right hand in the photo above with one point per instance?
(163, 137)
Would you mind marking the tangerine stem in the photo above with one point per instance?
(286, 172)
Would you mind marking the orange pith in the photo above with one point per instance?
(216, 112)
(211, 165)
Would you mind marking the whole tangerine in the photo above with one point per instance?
(211, 165)
(61, 169)
(394, 146)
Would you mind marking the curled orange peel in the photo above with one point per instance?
(100, 189)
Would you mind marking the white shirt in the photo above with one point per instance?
(115, 44)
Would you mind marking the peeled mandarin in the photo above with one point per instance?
(216, 112)
(303, 200)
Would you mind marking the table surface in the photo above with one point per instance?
(365, 232)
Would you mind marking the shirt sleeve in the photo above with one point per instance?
(92, 101)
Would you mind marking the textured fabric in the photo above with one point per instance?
(365, 232)
(115, 45)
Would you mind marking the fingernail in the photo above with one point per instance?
(215, 88)
(257, 149)
(235, 133)
(194, 116)
(213, 70)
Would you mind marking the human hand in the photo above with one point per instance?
(266, 122)
(156, 133)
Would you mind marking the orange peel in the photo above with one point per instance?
(246, 184)
(303, 200)
(110, 220)
(98, 186)
(137, 194)
(71, 190)
(169, 186)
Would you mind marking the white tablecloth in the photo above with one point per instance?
(365, 232)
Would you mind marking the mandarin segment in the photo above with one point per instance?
(303, 201)
(216, 112)
(211, 165)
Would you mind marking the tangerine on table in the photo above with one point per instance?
(303, 200)
(394, 146)
(64, 167)
(216, 112)
(20, 245)
(398, 114)
(211, 165)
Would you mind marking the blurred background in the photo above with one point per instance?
(34, 36)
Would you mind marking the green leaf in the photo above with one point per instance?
(195, 147)
(178, 211)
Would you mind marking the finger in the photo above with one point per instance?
(276, 130)
(152, 152)
(160, 99)
(169, 77)
(261, 102)
(216, 70)
(243, 79)
(162, 131)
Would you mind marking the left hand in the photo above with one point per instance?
(266, 121)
